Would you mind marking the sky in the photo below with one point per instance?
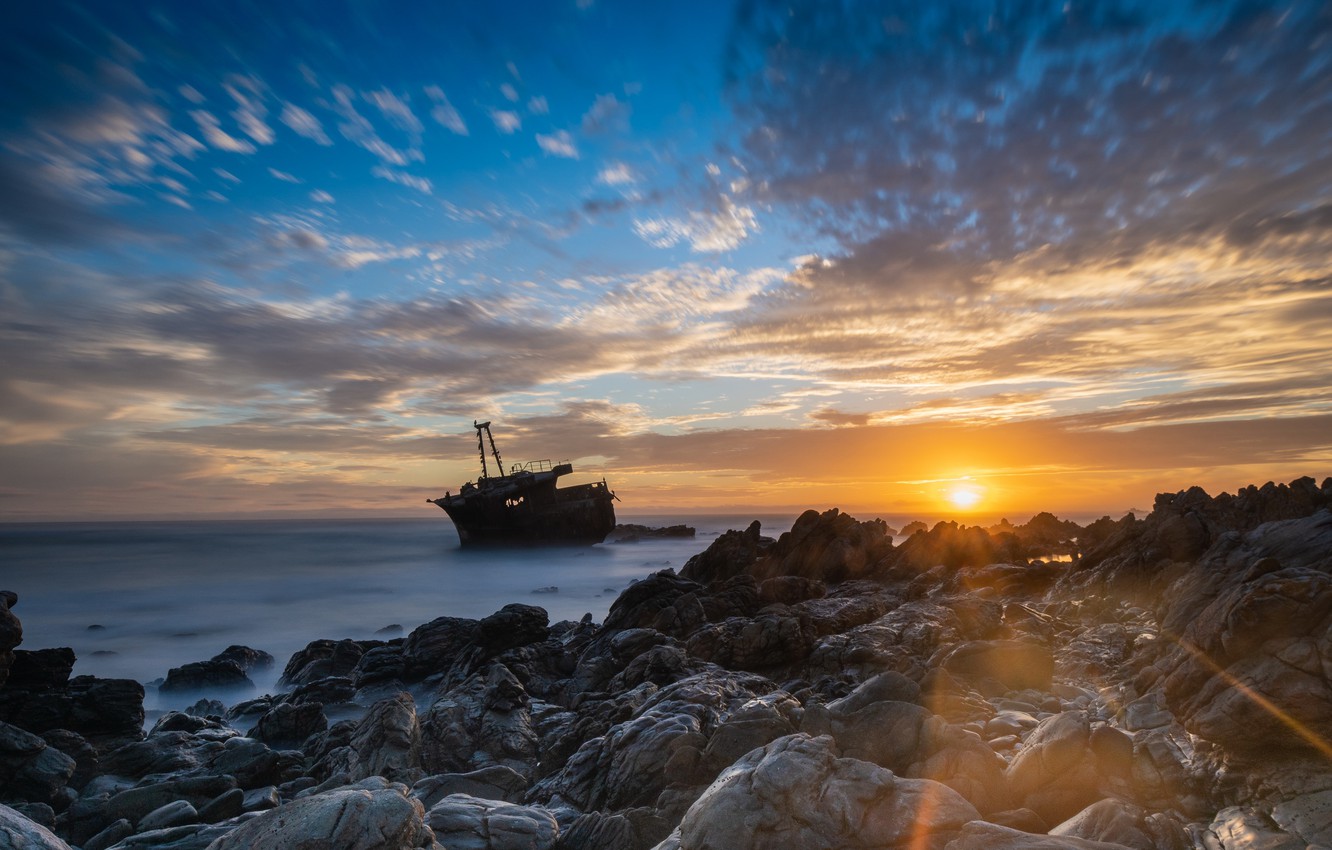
(932, 259)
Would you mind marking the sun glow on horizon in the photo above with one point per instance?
(965, 496)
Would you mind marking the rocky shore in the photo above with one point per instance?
(1164, 684)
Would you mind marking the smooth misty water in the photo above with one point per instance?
(168, 593)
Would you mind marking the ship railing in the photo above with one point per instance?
(533, 466)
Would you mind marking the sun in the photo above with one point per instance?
(965, 496)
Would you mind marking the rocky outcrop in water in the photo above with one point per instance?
(1170, 688)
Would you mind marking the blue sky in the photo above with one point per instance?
(263, 258)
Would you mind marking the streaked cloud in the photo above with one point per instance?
(212, 131)
(443, 112)
(402, 178)
(709, 232)
(616, 174)
(606, 115)
(559, 143)
(506, 122)
(304, 124)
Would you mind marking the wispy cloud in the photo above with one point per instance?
(356, 128)
(709, 232)
(402, 178)
(304, 124)
(506, 121)
(443, 112)
(248, 94)
(616, 174)
(559, 143)
(607, 114)
(212, 131)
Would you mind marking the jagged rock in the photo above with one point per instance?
(1057, 773)
(386, 742)
(662, 743)
(135, 804)
(838, 613)
(321, 659)
(958, 758)
(951, 545)
(175, 813)
(165, 752)
(329, 690)
(1308, 816)
(11, 632)
(788, 590)
(379, 665)
(433, 647)
(599, 831)
(111, 835)
(31, 771)
(1256, 612)
(771, 639)
(797, 792)
(634, 533)
(372, 816)
(485, 721)
(39, 813)
(98, 709)
(512, 626)
(638, 606)
(224, 806)
(829, 546)
(462, 822)
(194, 836)
(40, 669)
(20, 833)
(886, 733)
(287, 725)
(179, 721)
(491, 783)
(1248, 826)
(748, 727)
(246, 658)
(215, 675)
(261, 799)
(729, 555)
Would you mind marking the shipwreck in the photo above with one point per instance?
(525, 506)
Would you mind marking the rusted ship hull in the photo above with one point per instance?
(525, 507)
(582, 514)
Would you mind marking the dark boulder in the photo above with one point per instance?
(512, 626)
(1015, 664)
(11, 632)
(788, 590)
(249, 659)
(41, 669)
(288, 725)
(31, 771)
(321, 659)
(830, 547)
(435, 646)
(212, 675)
(731, 554)
(101, 710)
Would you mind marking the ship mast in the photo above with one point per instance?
(481, 447)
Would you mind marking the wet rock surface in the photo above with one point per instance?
(1168, 688)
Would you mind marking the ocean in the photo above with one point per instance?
(134, 599)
